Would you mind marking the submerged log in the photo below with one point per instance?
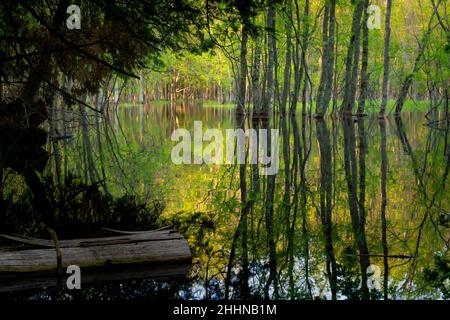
(20, 281)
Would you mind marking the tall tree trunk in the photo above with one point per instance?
(54, 135)
(335, 78)
(256, 85)
(300, 67)
(287, 65)
(326, 78)
(90, 170)
(256, 100)
(269, 210)
(351, 67)
(447, 114)
(271, 62)
(387, 41)
(364, 62)
(241, 87)
(98, 119)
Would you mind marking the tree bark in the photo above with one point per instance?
(351, 68)
(326, 78)
(364, 62)
(241, 88)
(287, 65)
(270, 89)
(387, 41)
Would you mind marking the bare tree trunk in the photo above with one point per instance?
(387, 41)
(335, 78)
(256, 100)
(326, 78)
(287, 65)
(54, 135)
(242, 71)
(256, 85)
(351, 67)
(271, 60)
(269, 203)
(364, 62)
(90, 169)
(300, 67)
(447, 114)
(98, 119)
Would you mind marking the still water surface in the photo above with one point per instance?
(352, 200)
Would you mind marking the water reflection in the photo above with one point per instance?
(352, 196)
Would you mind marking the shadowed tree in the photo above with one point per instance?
(38, 50)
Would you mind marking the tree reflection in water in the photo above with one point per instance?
(350, 193)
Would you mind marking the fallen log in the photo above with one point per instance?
(129, 238)
(151, 248)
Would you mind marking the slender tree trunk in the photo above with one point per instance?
(242, 71)
(300, 67)
(351, 67)
(256, 97)
(90, 169)
(270, 89)
(387, 41)
(287, 65)
(54, 135)
(326, 78)
(335, 78)
(256, 85)
(446, 97)
(364, 62)
(98, 119)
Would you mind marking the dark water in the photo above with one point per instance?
(358, 209)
